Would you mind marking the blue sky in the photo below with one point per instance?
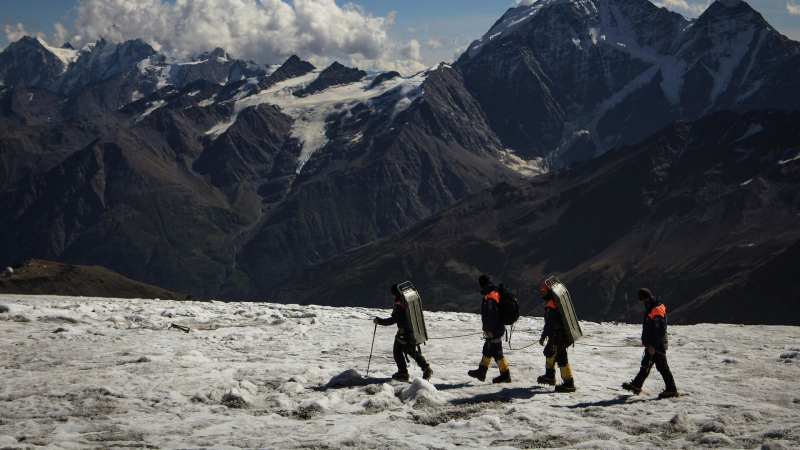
(440, 28)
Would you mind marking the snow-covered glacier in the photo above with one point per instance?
(96, 372)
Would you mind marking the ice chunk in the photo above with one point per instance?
(419, 389)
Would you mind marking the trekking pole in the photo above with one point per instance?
(370, 349)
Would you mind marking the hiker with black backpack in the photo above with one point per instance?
(494, 330)
(401, 345)
(556, 349)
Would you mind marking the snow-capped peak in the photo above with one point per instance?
(65, 55)
(511, 21)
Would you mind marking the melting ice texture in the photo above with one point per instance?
(99, 373)
(309, 113)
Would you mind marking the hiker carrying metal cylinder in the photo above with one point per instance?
(558, 334)
(411, 332)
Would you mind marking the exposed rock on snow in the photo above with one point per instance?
(349, 377)
(239, 399)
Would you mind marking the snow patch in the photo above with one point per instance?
(192, 356)
(153, 106)
(422, 390)
(754, 129)
(66, 55)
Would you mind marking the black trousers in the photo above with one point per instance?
(556, 348)
(493, 350)
(400, 350)
(659, 359)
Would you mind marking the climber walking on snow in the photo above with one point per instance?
(402, 346)
(493, 329)
(556, 349)
(655, 341)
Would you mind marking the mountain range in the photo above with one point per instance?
(592, 139)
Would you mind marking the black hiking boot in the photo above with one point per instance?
(505, 377)
(400, 376)
(669, 393)
(567, 386)
(480, 373)
(427, 373)
(548, 378)
(629, 386)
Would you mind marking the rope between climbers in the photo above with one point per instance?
(453, 337)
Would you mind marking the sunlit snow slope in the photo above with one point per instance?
(94, 372)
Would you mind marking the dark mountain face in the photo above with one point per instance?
(202, 193)
(704, 213)
(29, 63)
(567, 80)
(226, 178)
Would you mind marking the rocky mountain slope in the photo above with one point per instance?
(37, 277)
(569, 79)
(224, 178)
(705, 213)
(223, 191)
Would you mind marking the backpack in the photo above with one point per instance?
(509, 306)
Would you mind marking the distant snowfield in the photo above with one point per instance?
(95, 372)
(311, 112)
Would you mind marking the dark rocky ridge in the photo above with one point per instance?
(36, 277)
(383, 77)
(705, 213)
(291, 68)
(27, 63)
(334, 75)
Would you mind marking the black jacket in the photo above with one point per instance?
(490, 310)
(654, 328)
(398, 317)
(552, 319)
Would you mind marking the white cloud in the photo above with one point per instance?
(263, 30)
(794, 10)
(458, 52)
(15, 32)
(694, 9)
(525, 2)
(433, 44)
(411, 50)
(404, 67)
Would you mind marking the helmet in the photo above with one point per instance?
(395, 289)
(544, 287)
(484, 280)
(644, 294)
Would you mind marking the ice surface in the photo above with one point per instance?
(118, 376)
